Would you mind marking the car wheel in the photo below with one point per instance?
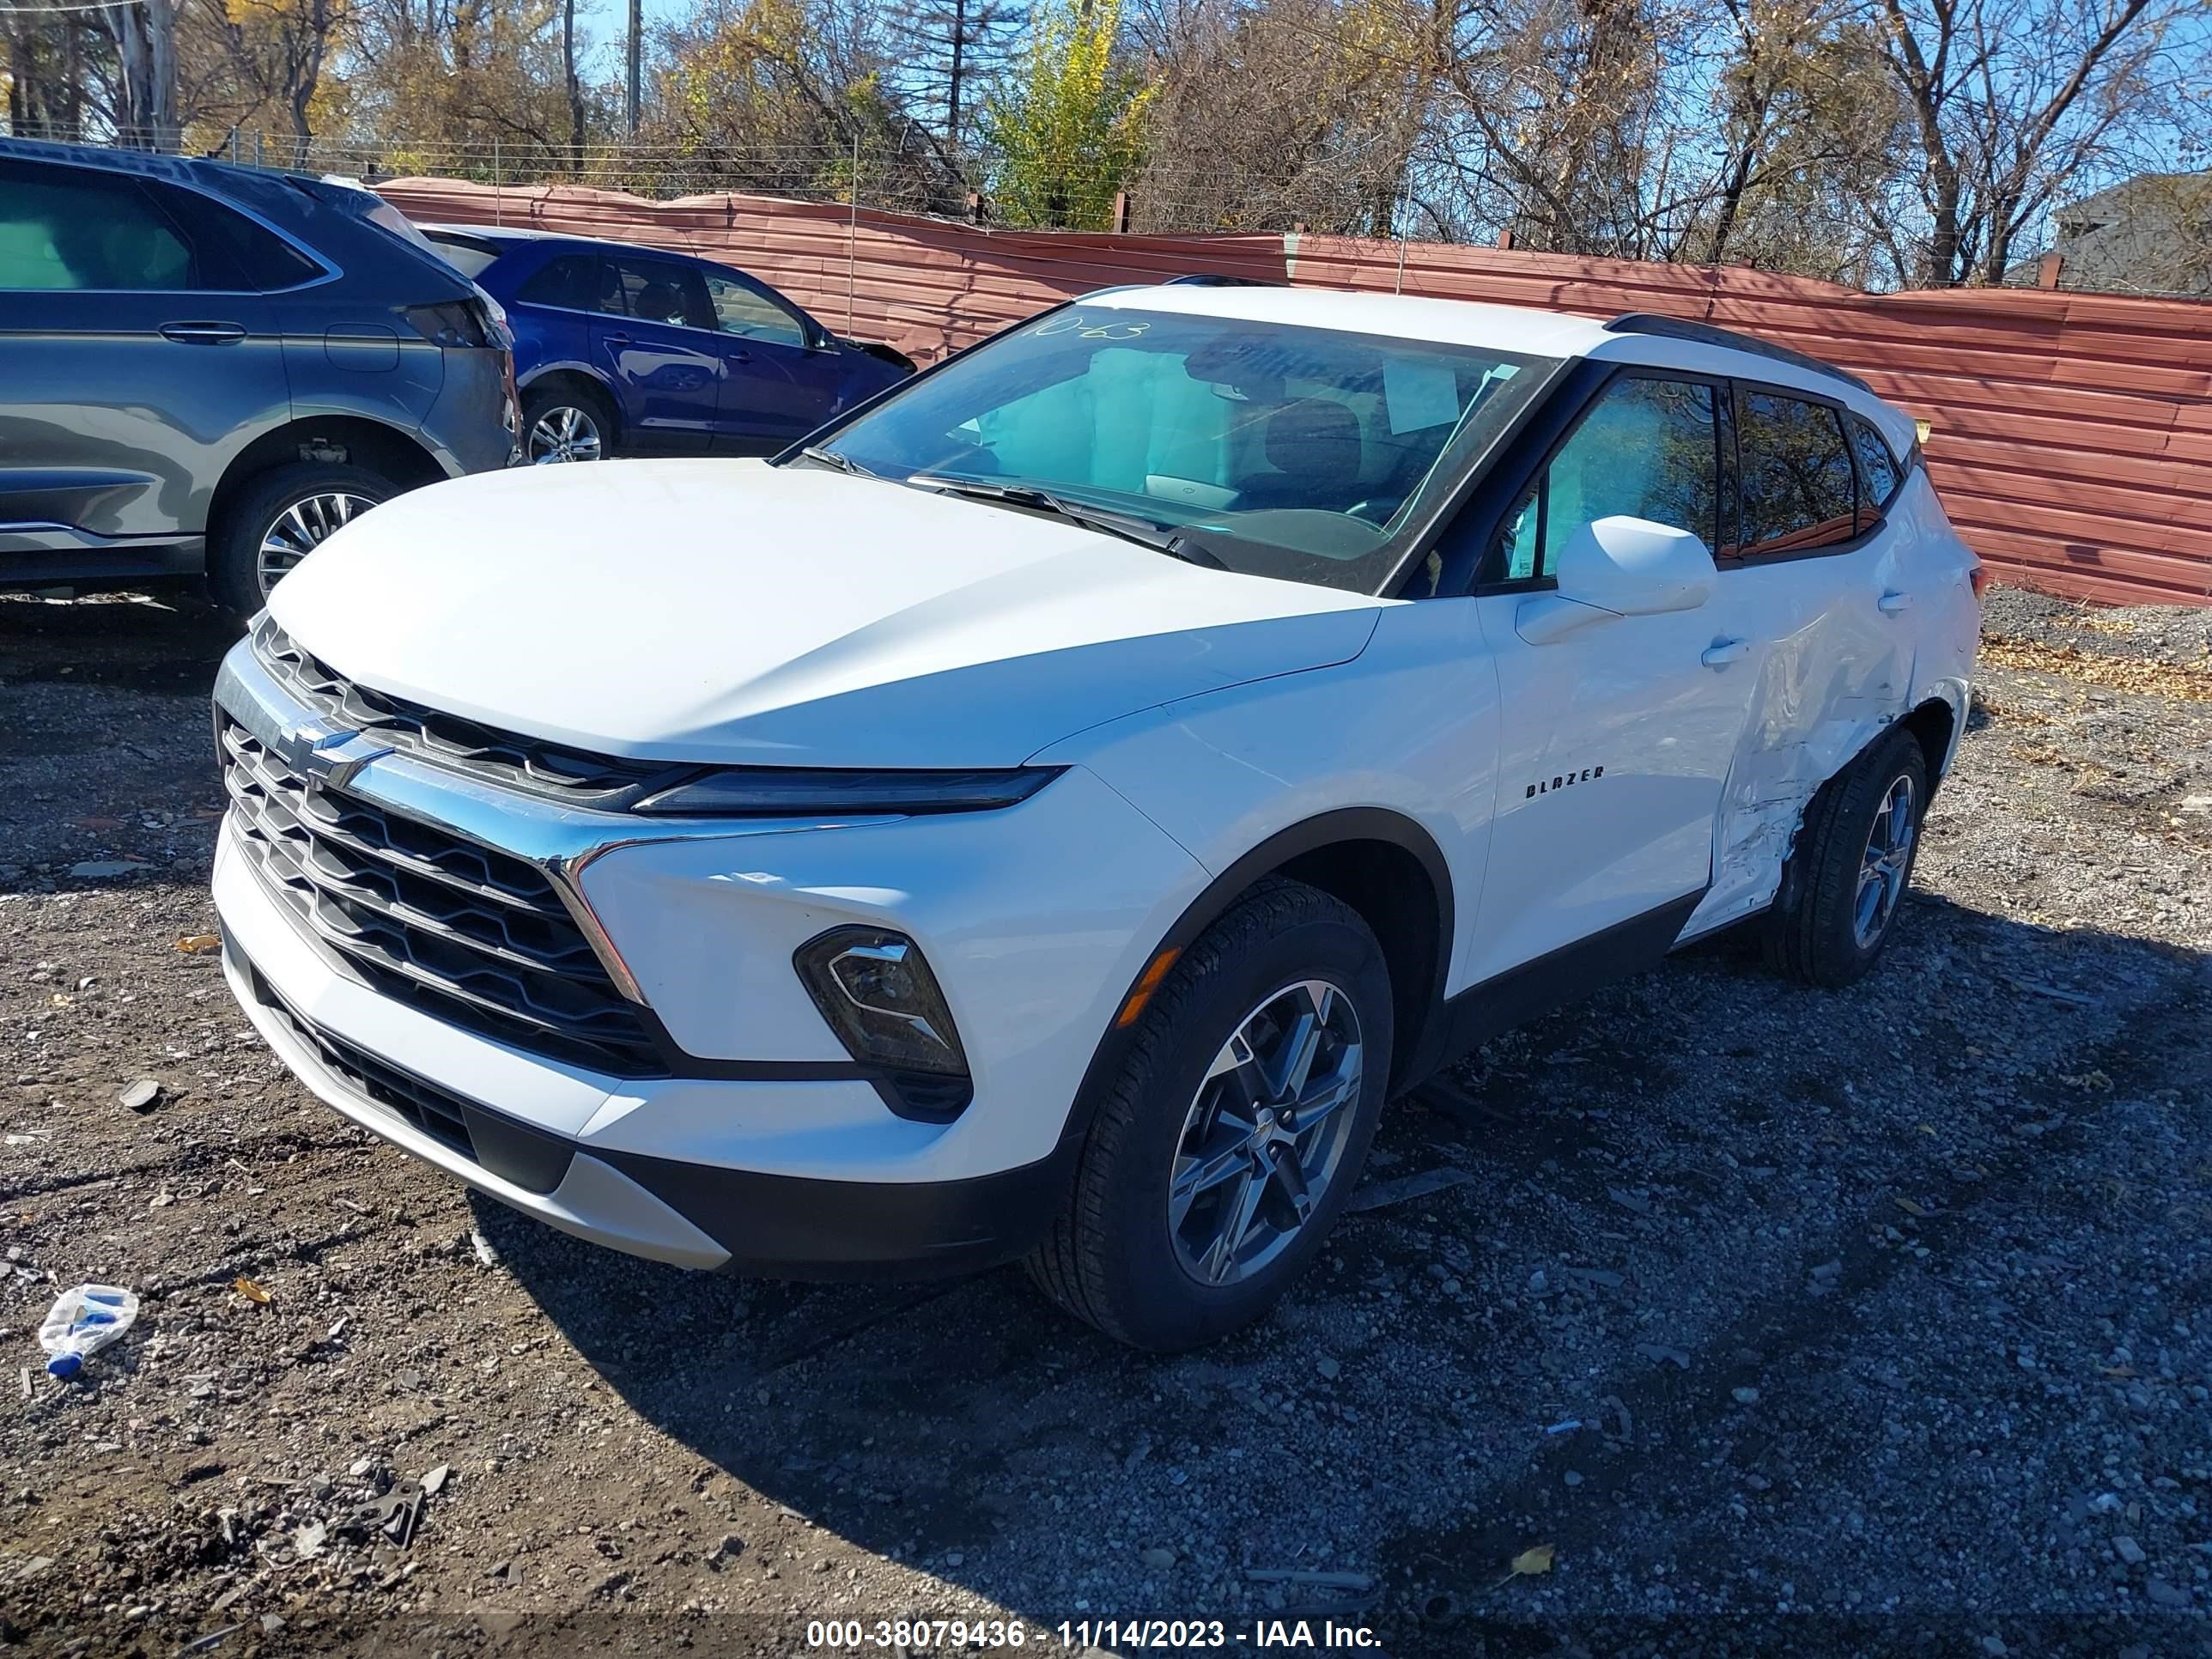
(1853, 861)
(1228, 1143)
(560, 425)
(278, 519)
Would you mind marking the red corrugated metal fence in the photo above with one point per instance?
(2071, 434)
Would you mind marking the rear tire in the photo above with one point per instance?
(1845, 885)
(278, 519)
(563, 423)
(1180, 1226)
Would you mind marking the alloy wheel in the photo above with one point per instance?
(302, 527)
(565, 432)
(1267, 1134)
(1886, 863)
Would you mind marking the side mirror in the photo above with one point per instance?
(1634, 568)
(1619, 566)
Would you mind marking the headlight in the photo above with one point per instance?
(795, 791)
(878, 995)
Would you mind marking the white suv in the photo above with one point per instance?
(1051, 814)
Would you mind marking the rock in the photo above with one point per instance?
(143, 1096)
(1157, 1559)
(307, 1541)
(1745, 1396)
(435, 1478)
(955, 1558)
(486, 1256)
(104, 869)
(1994, 1646)
(2128, 1551)
(2163, 1594)
(1573, 1479)
(1328, 1368)
(731, 1547)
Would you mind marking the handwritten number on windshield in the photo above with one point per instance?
(1084, 329)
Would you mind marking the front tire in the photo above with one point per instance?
(278, 519)
(1229, 1143)
(1853, 861)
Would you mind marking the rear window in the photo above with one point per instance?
(254, 254)
(571, 282)
(1799, 491)
(471, 259)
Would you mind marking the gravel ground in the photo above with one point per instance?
(1790, 1321)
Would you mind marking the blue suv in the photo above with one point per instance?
(635, 350)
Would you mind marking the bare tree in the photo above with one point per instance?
(2016, 102)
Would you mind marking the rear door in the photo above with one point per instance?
(654, 339)
(779, 385)
(1616, 739)
(1809, 558)
(139, 354)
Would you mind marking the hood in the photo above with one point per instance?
(728, 611)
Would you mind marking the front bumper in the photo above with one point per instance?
(764, 1151)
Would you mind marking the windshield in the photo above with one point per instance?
(1304, 453)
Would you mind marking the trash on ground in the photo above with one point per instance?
(143, 1096)
(196, 944)
(486, 1256)
(83, 1321)
(252, 1291)
(1536, 1558)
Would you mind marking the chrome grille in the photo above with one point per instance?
(473, 936)
(463, 745)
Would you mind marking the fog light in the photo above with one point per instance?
(878, 995)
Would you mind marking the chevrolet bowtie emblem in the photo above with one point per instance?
(335, 757)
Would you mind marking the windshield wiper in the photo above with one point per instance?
(831, 458)
(1129, 528)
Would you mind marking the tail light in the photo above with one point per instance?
(1978, 577)
(456, 323)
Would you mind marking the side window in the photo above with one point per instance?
(743, 311)
(570, 281)
(66, 227)
(1648, 450)
(1879, 472)
(228, 241)
(1798, 488)
(654, 291)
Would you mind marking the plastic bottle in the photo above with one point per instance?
(83, 1321)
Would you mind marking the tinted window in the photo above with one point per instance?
(740, 310)
(61, 227)
(654, 291)
(262, 258)
(1646, 450)
(1878, 474)
(1797, 486)
(571, 280)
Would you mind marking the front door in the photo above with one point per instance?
(779, 385)
(1618, 739)
(654, 337)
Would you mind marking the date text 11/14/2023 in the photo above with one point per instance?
(1080, 1635)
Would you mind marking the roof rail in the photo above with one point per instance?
(1678, 328)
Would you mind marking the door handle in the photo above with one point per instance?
(1722, 652)
(203, 333)
(616, 339)
(738, 356)
(1892, 602)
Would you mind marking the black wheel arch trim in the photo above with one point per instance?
(1331, 829)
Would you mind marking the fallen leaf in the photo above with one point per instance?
(1910, 1208)
(252, 1291)
(196, 944)
(1536, 1558)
